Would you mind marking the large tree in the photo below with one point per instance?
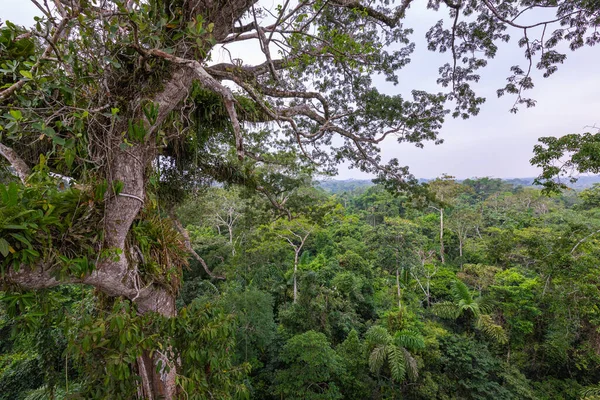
(112, 109)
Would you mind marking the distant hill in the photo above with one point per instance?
(350, 185)
(583, 182)
(346, 185)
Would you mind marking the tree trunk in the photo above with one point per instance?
(158, 384)
(116, 276)
(295, 273)
(399, 292)
(230, 227)
(442, 235)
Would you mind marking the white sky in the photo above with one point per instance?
(496, 143)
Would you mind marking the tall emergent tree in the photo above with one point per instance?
(112, 109)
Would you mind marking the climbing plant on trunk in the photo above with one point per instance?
(112, 110)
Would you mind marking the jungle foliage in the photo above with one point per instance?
(378, 315)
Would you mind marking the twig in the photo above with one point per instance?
(188, 246)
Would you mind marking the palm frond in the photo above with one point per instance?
(486, 304)
(446, 309)
(397, 363)
(486, 324)
(410, 339)
(472, 307)
(590, 393)
(460, 291)
(377, 335)
(377, 358)
(412, 370)
(44, 393)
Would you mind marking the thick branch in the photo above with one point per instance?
(274, 202)
(390, 21)
(211, 83)
(150, 298)
(21, 168)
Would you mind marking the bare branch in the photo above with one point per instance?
(583, 240)
(188, 246)
(21, 168)
(390, 21)
(495, 11)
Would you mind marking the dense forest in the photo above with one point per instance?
(492, 292)
(162, 236)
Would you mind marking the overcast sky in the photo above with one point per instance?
(496, 143)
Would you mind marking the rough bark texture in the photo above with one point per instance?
(20, 167)
(128, 166)
(115, 278)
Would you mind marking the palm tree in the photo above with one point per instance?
(395, 351)
(478, 308)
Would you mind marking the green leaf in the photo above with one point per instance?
(4, 247)
(21, 239)
(26, 74)
(69, 157)
(16, 114)
(58, 140)
(17, 227)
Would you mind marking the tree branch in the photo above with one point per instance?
(209, 82)
(188, 246)
(21, 168)
(390, 21)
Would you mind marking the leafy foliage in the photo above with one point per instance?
(517, 294)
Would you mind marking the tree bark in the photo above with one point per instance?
(114, 275)
(295, 273)
(21, 168)
(399, 293)
(442, 235)
(158, 384)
